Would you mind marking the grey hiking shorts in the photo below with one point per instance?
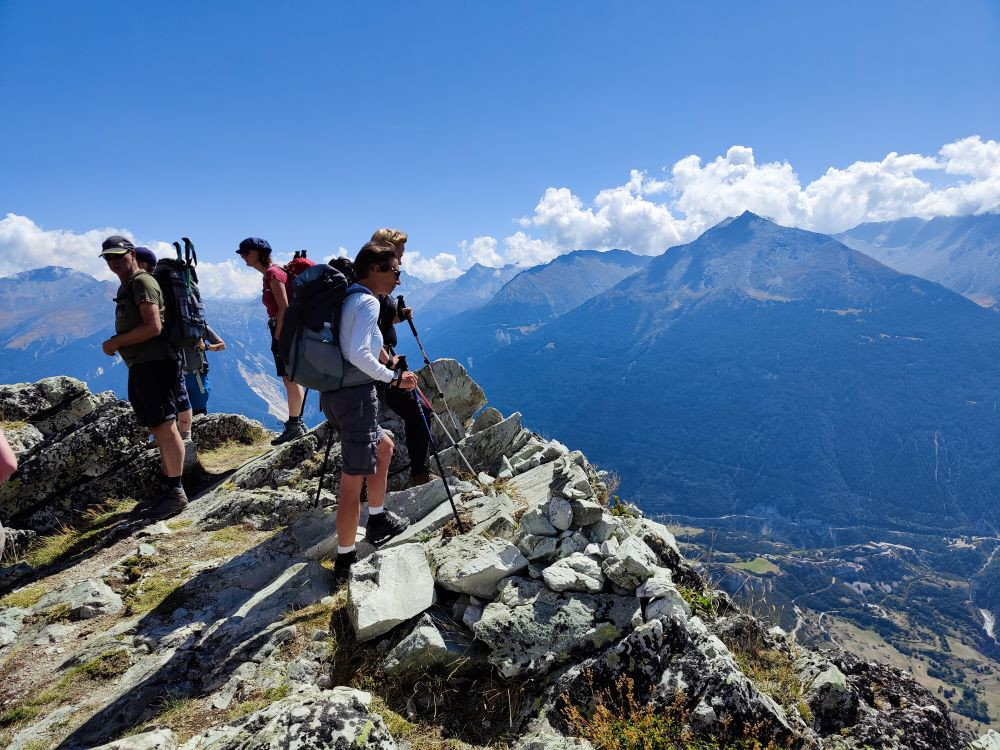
(354, 411)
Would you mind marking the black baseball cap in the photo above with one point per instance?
(116, 245)
(254, 243)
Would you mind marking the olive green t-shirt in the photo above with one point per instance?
(140, 288)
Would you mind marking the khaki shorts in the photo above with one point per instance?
(354, 411)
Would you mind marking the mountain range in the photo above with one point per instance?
(820, 425)
(960, 252)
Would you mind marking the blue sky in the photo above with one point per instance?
(312, 123)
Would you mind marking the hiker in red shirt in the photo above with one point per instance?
(256, 253)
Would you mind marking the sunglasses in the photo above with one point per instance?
(396, 271)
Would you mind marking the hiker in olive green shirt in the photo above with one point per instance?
(152, 366)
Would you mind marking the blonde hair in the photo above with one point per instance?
(393, 237)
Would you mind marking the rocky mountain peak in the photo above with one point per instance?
(557, 612)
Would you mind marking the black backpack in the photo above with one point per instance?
(310, 330)
(184, 313)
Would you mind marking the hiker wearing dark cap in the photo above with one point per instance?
(152, 365)
(403, 404)
(146, 259)
(256, 253)
(366, 449)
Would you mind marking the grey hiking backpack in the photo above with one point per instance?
(310, 331)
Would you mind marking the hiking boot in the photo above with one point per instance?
(384, 526)
(294, 429)
(171, 502)
(342, 568)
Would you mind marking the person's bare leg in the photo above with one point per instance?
(296, 395)
(348, 509)
(377, 481)
(184, 420)
(168, 440)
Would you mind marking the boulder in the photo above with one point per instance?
(463, 394)
(23, 438)
(493, 515)
(632, 564)
(50, 404)
(487, 418)
(989, 741)
(429, 647)
(210, 431)
(667, 662)
(656, 535)
(84, 600)
(65, 473)
(832, 702)
(474, 564)
(484, 448)
(658, 585)
(312, 719)
(560, 513)
(577, 572)
(606, 527)
(388, 588)
(538, 548)
(536, 522)
(530, 629)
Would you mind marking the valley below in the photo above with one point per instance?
(919, 601)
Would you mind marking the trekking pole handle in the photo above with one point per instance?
(400, 304)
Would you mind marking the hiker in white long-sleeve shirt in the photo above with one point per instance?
(365, 448)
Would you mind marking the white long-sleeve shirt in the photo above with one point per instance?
(360, 338)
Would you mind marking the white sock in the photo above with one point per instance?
(344, 550)
(375, 511)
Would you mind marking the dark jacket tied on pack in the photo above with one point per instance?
(310, 330)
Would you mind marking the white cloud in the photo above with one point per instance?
(482, 250)
(648, 215)
(442, 266)
(25, 245)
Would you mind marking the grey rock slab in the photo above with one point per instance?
(833, 702)
(668, 604)
(571, 544)
(158, 739)
(23, 439)
(53, 634)
(530, 629)
(660, 584)
(542, 736)
(312, 719)
(654, 534)
(536, 522)
(560, 513)
(578, 572)
(632, 564)
(484, 448)
(87, 599)
(585, 512)
(534, 487)
(493, 515)
(537, 548)
(463, 395)
(487, 418)
(605, 528)
(475, 565)
(388, 588)
(429, 646)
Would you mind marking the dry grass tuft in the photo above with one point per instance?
(619, 721)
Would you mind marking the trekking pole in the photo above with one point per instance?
(326, 457)
(427, 361)
(434, 450)
(444, 429)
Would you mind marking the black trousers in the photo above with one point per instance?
(403, 403)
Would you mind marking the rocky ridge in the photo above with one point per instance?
(552, 616)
